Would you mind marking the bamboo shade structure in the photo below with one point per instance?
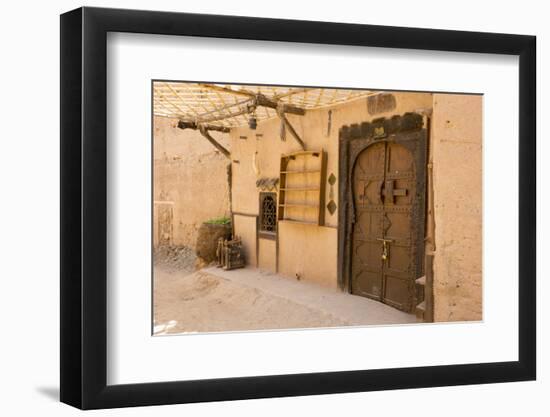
(225, 105)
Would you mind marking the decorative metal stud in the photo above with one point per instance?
(331, 206)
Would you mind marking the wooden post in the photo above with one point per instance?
(192, 125)
(429, 289)
(204, 131)
(294, 133)
(213, 141)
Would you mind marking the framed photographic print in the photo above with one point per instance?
(256, 208)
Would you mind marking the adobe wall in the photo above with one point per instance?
(190, 182)
(457, 175)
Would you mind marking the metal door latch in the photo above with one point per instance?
(385, 249)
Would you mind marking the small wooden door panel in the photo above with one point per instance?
(368, 181)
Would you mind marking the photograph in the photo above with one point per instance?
(298, 207)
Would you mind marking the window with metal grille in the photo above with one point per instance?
(268, 212)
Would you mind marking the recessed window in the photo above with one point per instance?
(268, 212)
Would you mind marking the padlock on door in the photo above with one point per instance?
(385, 248)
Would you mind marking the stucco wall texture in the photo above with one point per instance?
(190, 179)
(457, 171)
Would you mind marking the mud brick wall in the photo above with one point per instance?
(457, 168)
(190, 183)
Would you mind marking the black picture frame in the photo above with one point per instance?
(84, 207)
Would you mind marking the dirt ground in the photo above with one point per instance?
(213, 300)
(202, 302)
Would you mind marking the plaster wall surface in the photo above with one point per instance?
(266, 260)
(308, 253)
(457, 172)
(189, 182)
(245, 228)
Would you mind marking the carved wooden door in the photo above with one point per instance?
(385, 244)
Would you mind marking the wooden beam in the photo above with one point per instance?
(245, 106)
(204, 132)
(192, 125)
(429, 289)
(293, 132)
(262, 100)
(242, 111)
(259, 101)
(214, 142)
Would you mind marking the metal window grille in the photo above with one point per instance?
(268, 212)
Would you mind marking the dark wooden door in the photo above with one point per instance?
(385, 232)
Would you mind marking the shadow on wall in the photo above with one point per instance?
(49, 392)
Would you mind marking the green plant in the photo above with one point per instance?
(219, 220)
